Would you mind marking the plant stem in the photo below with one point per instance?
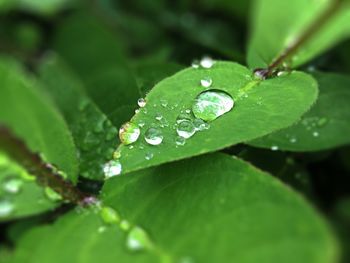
(305, 36)
(46, 174)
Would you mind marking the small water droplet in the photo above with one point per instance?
(101, 229)
(112, 168)
(206, 82)
(322, 121)
(149, 156)
(52, 194)
(164, 103)
(141, 124)
(293, 140)
(186, 129)
(159, 117)
(195, 64)
(212, 104)
(6, 208)
(200, 125)
(180, 140)
(141, 102)
(315, 134)
(109, 215)
(129, 133)
(137, 111)
(153, 136)
(282, 73)
(137, 239)
(183, 117)
(274, 148)
(13, 185)
(207, 62)
(125, 225)
(261, 73)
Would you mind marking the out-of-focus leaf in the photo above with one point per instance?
(95, 54)
(31, 117)
(325, 126)
(177, 204)
(277, 24)
(94, 135)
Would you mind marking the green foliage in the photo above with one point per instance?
(261, 107)
(113, 149)
(217, 196)
(319, 128)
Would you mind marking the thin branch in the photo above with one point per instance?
(46, 174)
(313, 29)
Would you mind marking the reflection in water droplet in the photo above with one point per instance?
(52, 195)
(185, 129)
(129, 133)
(153, 136)
(212, 104)
(13, 185)
(141, 102)
(137, 239)
(149, 156)
(112, 168)
(180, 140)
(206, 82)
(6, 208)
(207, 62)
(109, 215)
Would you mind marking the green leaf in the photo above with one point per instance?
(94, 135)
(20, 195)
(149, 74)
(261, 107)
(32, 118)
(45, 7)
(325, 126)
(209, 209)
(277, 24)
(96, 56)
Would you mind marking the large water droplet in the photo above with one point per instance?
(13, 185)
(6, 208)
(206, 82)
(112, 168)
(129, 133)
(137, 239)
(153, 136)
(141, 102)
(186, 129)
(211, 104)
(207, 62)
(109, 215)
(52, 194)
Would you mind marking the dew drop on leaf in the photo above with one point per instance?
(212, 104)
(180, 140)
(207, 62)
(137, 240)
(206, 82)
(112, 168)
(154, 136)
(186, 129)
(124, 225)
(109, 215)
(129, 133)
(274, 148)
(149, 156)
(195, 64)
(141, 102)
(315, 134)
(164, 103)
(6, 208)
(12, 185)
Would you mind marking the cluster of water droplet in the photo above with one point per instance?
(207, 106)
